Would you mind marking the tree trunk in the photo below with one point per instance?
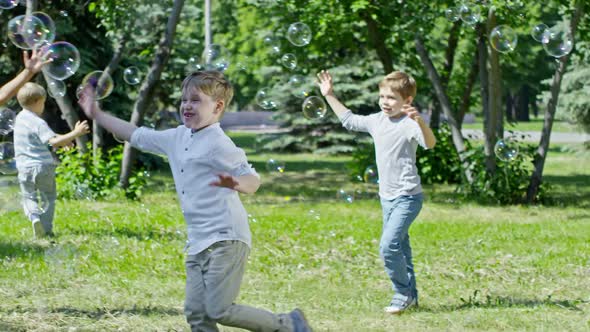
(509, 102)
(482, 46)
(522, 107)
(443, 99)
(376, 39)
(146, 91)
(543, 148)
(466, 97)
(496, 129)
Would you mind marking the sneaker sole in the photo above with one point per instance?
(38, 229)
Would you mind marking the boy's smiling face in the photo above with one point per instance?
(391, 102)
(198, 110)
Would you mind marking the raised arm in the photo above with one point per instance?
(412, 113)
(33, 65)
(89, 105)
(80, 129)
(327, 89)
(246, 184)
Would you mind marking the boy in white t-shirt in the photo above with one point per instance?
(209, 171)
(396, 131)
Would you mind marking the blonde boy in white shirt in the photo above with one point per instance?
(209, 171)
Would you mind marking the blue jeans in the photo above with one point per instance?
(394, 247)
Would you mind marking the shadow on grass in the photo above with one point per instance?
(141, 234)
(20, 249)
(571, 190)
(100, 313)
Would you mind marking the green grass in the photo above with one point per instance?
(118, 265)
(535, 124)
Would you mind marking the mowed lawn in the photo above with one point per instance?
(118, 265)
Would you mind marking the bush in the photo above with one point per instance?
(79, 176)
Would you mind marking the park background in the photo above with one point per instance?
(499, 245)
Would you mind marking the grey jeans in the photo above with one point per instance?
(213, 279)
(38, 179)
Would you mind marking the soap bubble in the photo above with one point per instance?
(343, 195)
(452, 14)
(26, 32)
(266, 99)
(272, 43)
(506, 150)
(216, 57)
(370, 175)
(300, 86)
(6, 150)
(503, 39)
(48, 24)
(8, 4)
(289, 61)
(6, 121)
(101, 82)
(65, 60)
(538, 31)
(299, 34)
(132, 75)
(56, 88)
(193, 65)
(558, 41)
(273, 165)
(469, 15)
(314, 107)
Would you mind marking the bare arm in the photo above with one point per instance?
(80, 129)
(33, 65)
(413, 113)
(327, 89)
(123, 129)
(246, 184)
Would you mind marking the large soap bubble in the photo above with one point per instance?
(558, 41)
(101, 82)
(538, 31)
(6, 121)
(216, 57)
(26, 32)
(65, 60)
(503, 39)
(8, 4)
(314, 107)
(56, 88)
(299, 34)
(48, 24)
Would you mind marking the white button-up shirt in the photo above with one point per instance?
(211, 213)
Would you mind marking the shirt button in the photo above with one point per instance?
(181, 171)
(183, 192)
(185, 149)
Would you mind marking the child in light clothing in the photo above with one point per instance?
(396, 131)
(208, 171)
(36, 167)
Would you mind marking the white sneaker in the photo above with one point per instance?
(400, 304)
(38, 230)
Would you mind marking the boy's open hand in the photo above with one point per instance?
(36, 61)
(87, 101)
(325, 83)
(226, 181)
(411, 112)
(82, 127)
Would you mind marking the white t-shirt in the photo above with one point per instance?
(31, 140)
(396, 141)
(211, 213)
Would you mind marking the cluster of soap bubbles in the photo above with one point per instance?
(470, 15)
(7, 161)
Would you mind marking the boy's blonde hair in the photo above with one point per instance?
(30, 93)
(212, 83)
(401, 83)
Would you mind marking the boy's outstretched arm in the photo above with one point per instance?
(327, 89)
(246, 184)
(33, 65)
(121, 128)
(80, 129)
(412, 113)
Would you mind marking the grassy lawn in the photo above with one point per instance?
(118, 265)
(536, 124)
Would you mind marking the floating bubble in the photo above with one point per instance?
(26, 32)
(538, 31)
(370, 175)
(503, 39)
(101, 82)
(265, 99)
(314, 107)
(299, 34)
(469, 15)
(56, 88)
(8, 4)
(289, 61)
(300, 86)
(6, 150)
(343, 195)
(216, 57)
(193, 65)
(65, 60)
(452, 14)
(35, 202)
(48, 24)
(558, 41)
(132, 75)
(6, 121)
(313, 214)
(252, 219)
(506, 150)
(273, 165)
(63, 13)
(8, 167)
(83, 192)
(272, 43)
